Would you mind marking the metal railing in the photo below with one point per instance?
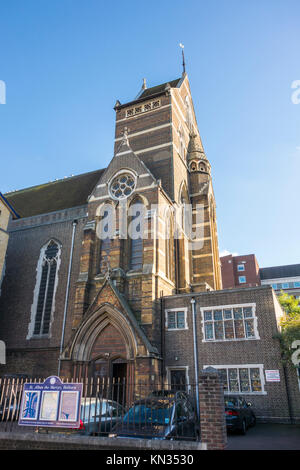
(115, 407)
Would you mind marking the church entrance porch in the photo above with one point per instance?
(110, 348)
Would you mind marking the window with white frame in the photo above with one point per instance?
(242, 379)
(229, 323)
(178, 377)
(176, 319)
(241, 267)
(242, 279)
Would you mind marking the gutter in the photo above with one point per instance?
(193, 303)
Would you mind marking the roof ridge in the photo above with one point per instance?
(18, 191)
(281, 266)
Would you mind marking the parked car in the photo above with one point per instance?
(166, 393)
(97, 417)
(239, 415)
(10, 406)
(175, 394)
(159, 418)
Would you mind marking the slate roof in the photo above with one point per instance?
(158, 89)
(153, 91)
(4, 200)
(54, 196)
(277, 272)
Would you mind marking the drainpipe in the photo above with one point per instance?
(67, 296)
(162, 332)
(193, 303)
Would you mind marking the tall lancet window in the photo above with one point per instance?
(169, 240)
(44, 294)
(189, 114)
(105, 239)
(136, 230)
(181, 142)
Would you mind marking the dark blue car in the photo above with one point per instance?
(239, 414)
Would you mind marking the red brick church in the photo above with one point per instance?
(73, 302)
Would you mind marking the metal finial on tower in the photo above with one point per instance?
(183, 61)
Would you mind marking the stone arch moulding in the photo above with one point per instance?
(103, 204)
(138, 198)
(91, 328)
(183, 192)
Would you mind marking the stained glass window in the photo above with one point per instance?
(229, 323)
(241, 379)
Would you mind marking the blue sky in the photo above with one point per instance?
(66, 62)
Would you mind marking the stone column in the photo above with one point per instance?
(212, 410)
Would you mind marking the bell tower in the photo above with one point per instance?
(205, 257)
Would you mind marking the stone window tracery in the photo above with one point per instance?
(143, 108)
(44, 295)
(122, 185)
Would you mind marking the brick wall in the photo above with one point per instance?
(27, 237)
(212, 416)
(273, 404)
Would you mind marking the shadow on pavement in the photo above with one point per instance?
(267, 437)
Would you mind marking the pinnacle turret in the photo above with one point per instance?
(196, 157)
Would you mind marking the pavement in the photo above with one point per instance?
(267, 437)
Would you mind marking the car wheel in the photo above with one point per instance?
(244, 427)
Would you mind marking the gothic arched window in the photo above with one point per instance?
(44, 296)
(193, 166)
(136, 230)
(105, 238)
(181, 142)
(189, 114)
(169, 240)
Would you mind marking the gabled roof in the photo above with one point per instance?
(149, 92)
(54, 196)
(277, 272)
(125, 305)
(159, 88)
(14, 214)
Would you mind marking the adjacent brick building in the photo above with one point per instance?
(244, 271)
(239, 271)
(80, 299)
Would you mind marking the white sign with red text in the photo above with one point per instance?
(272, 376)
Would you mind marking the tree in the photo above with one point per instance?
(290, 325)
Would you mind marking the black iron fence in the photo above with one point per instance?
(116, 408)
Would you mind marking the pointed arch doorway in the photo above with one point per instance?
(113, 376)
(105, 346)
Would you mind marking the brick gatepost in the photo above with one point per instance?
(212, 410)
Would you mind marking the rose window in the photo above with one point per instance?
(122, 186)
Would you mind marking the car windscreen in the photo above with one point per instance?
(89, 410)
(149, 413)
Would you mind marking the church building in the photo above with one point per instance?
(79, 299)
